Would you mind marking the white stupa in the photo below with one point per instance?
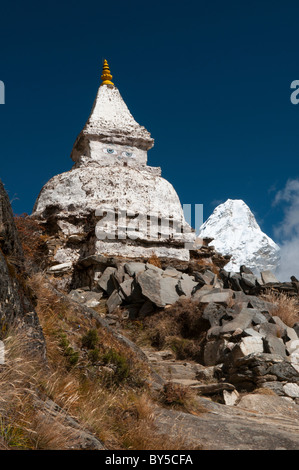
(111, 199)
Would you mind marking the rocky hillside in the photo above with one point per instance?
(16, 299)
(125, 355)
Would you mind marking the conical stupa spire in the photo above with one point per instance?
(106, 74)
(110, 121)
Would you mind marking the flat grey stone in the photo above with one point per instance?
(149, 281)
(293, 346)
(214, 313)
(186, 286)
(275, 386)
(260, 304)
(199, 293)
(172, 272)
(77, 295)
(106, 282)
(230, 397)
(248, 279)
(274, 345)
(234, 282)
(255, 423)
(284, 371)
(212, 389)
(214, 352)
(223, 298)
(258, 318)
(205, 278)
(291, 390)
(291, 334)
(60, 268)
(269, 329)
(252, 332)
(125, 288)
(120, 274)
(245, 270)
(160, 290)
(294, 360)
(241, 297)
(248, 345)
(242, 321)
(281, 325)
(154, 268)
(268, 277)
(114, 301)
(168, 290)
(134, 268)
(296, 328)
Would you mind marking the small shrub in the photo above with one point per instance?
(185, 348)
(154, 260)
(180, 327)
(90, 339)
(14, 436)
(94, 355)
(287, 308)
(33, 240)
(160, 327)
(175, 395)
(120, 363)
(69, 353)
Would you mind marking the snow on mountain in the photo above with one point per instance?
(237, 233)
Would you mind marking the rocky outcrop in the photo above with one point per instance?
(265, 282)
(242, 328)
(16, 304)
(258, 422)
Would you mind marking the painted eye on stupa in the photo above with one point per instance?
(127, 154)
(110, 151)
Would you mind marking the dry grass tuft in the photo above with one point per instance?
(264, 391)
(33, 240)
(154, 260)
(22, 424)
(179, 327)
(108, 396)
(176, 395)
(181, 397)
(287, 307)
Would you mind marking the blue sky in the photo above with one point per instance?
(209, 80)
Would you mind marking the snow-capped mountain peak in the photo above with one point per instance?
(237, 233)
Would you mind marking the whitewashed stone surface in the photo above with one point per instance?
(112, 184)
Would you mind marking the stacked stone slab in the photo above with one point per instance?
(245, 341)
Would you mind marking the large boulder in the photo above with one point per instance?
(159, 290)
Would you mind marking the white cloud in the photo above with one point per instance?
(288, 230)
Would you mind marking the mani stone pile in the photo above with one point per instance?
(246, 343)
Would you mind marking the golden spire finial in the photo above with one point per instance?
(106, 74)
